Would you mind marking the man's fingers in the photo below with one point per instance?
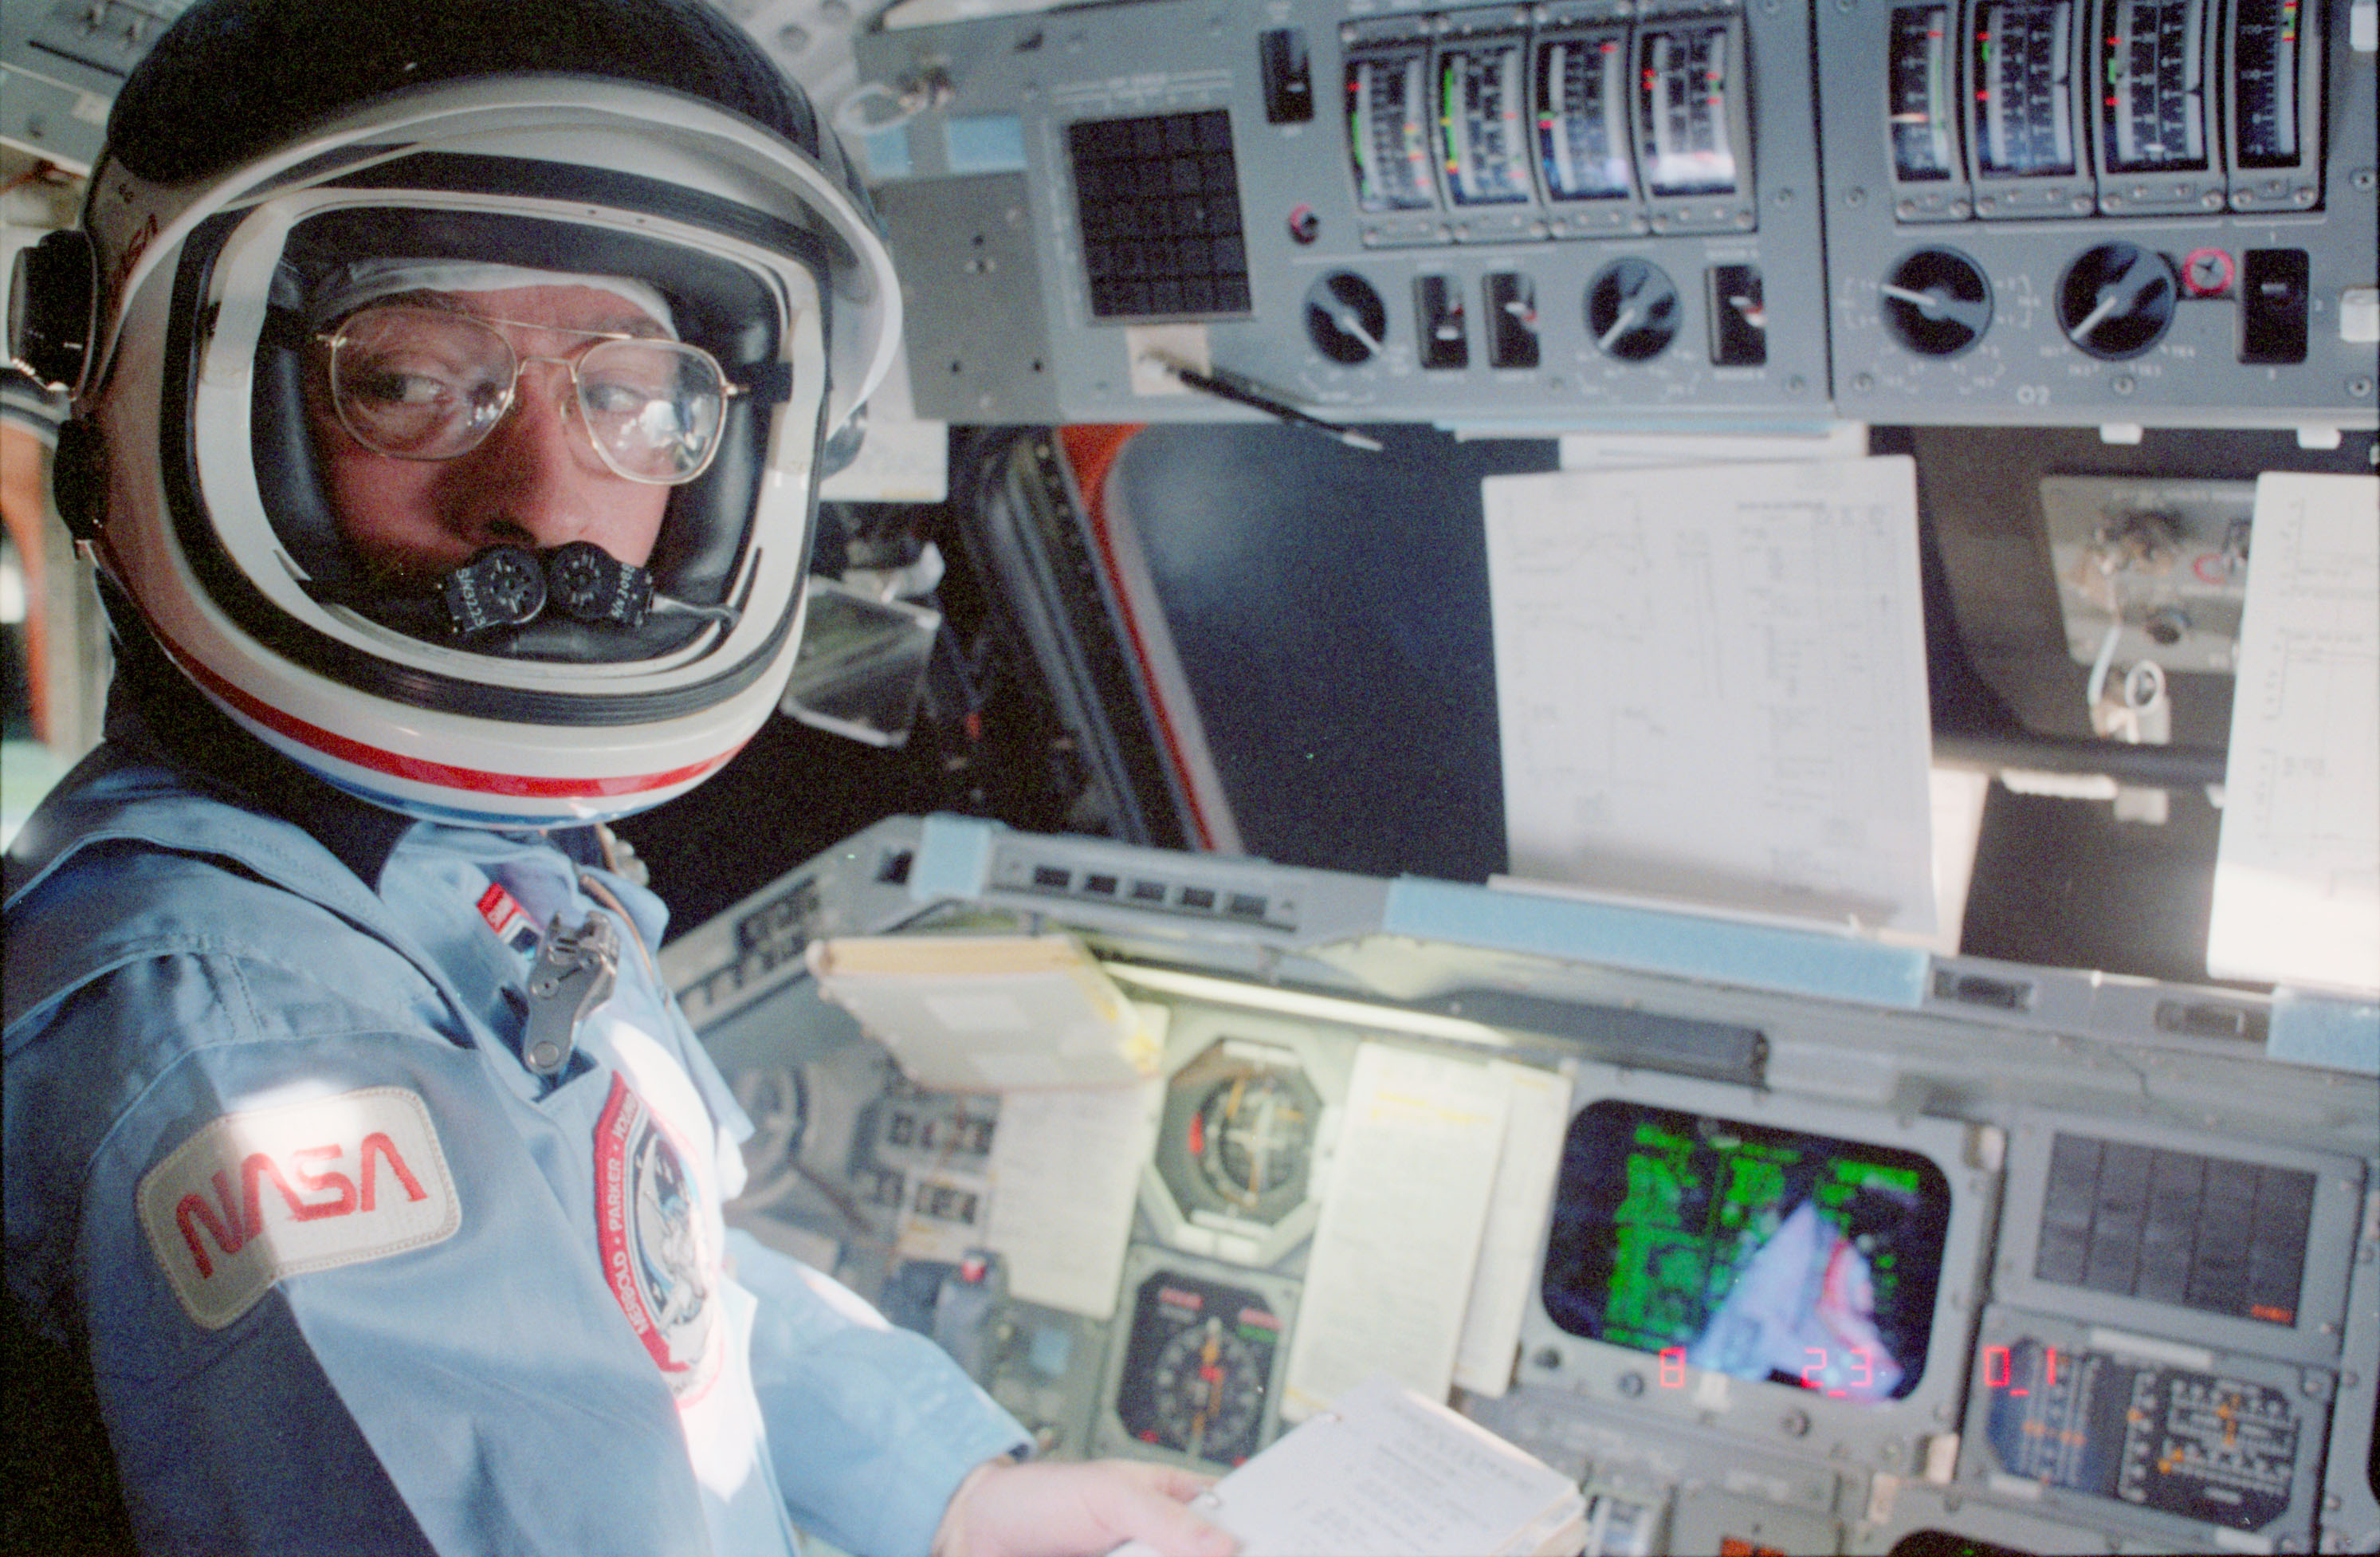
(1155, 1511)
(1171, 1480)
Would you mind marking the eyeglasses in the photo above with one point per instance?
(423, 384)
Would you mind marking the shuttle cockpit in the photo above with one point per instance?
(1663, 715)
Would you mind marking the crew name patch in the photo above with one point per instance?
(276, 1192)
(649, 1230)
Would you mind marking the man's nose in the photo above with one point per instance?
(533, 480)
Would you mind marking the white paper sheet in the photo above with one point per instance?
(2297, 870)
(1064, 1169)
(1711, 684)
(1538, 1118)
(1386, 1474)
(1399, 1236)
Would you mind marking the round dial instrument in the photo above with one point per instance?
(1197, 1368)
(1239, 1135)
(1938, 302)
(1631, 309)
(1253, 1137)
(2116, 300)
(1207, 1386)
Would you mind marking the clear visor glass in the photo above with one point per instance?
(423, 383)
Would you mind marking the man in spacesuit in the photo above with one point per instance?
(448, 383)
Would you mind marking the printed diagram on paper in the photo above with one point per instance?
(2297, 871)
(1712, 686)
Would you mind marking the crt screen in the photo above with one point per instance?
(1746, 1249)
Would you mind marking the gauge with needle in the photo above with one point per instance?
(2116, 300)
(1937, 302)
(1198, 1369)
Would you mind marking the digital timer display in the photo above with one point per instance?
(1750, 1250)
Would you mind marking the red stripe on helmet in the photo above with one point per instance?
(420, 770)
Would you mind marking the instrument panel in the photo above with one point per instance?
(2119, 203)
(1887, 1281)
(2185, 1443)
(1687, 212)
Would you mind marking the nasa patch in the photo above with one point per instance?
(650, 1229)
(266, 1194)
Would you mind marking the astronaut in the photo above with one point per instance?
(448, 384)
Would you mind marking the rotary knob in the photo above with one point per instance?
(2116, 300)
(1345, 319)
(1938, 302)
(1631, 309)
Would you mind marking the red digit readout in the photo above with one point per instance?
(1997, 1374)
(1673, 1368)
(1814, 1371)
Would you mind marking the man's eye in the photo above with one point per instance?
(392, 387)
(613, 397)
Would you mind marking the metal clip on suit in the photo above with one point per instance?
(573, 976)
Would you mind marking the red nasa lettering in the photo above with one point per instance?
(237, 1218)
(292, 1189)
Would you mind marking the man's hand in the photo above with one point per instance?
(1006, 1510)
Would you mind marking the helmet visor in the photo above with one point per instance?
(435, 386)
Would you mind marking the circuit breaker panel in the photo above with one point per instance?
(1698, 212)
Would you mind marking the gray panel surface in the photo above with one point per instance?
(1163, 57)
(2171, 279)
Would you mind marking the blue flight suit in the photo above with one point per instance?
(348, 1276)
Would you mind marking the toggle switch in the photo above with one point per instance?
(2274, 291)
(1512, 321)
(1287, 75)
(1445, 343)
(1738, 319)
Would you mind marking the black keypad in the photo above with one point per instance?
(2205, 1233)
(1158, 202)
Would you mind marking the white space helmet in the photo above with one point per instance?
(273, 165)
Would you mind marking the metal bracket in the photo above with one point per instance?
(574, 974)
